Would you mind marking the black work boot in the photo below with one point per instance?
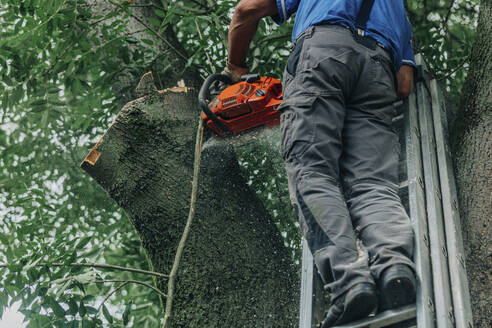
(397, 287)
(357, 303)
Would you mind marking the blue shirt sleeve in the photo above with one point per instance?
(285, 9)
(407, 55)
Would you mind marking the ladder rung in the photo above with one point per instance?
(384, 319)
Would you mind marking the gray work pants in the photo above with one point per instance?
(341, 156)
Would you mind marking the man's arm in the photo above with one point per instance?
(405, 74)
(243, 27)
(405, 81)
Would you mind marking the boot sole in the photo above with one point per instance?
(399, 291)
(359, 307)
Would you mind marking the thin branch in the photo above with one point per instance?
(160, 292)
(449, 13)
(185, 8)
(99, 266)
(147, 5)
(193, 10)
(153, 32)
(275, 38)
(111, 294)
(103, 45)
(182, 242)
(55, 61)
(201, 5)
(454, 70)
(137, 31)
(446, 19)
(212, 68)
(160, 37)
(49, 18)
(92, 50)
(100, 20)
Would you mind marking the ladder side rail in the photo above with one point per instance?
(440, 274)
(320, 300)
(307, 275)
(417, 213)
(457, 268)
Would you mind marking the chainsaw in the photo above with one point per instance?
(246, 105)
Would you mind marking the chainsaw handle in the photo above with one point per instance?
(205, 93)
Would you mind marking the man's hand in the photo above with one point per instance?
(234, 72)
(243, 27)
(405, 81)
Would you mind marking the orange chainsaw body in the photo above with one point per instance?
(247, 105)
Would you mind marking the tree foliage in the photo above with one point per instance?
(444, 32)
(62, 67)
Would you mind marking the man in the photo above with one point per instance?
(340, 151)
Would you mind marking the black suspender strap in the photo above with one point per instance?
(363, 15)
(360, 25)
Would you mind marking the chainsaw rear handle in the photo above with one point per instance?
(205, 93)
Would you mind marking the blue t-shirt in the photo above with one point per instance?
(388, 23)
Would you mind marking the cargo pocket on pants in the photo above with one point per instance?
(294, 57)
(297, 126)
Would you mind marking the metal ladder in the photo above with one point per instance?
(428, 192)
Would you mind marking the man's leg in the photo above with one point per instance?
(313, 115)
(369, 165)
(317, 198)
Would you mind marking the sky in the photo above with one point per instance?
(12, 318)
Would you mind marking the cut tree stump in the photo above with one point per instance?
(235, 270)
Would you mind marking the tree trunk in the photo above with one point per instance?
(235, 270)
(472, 149)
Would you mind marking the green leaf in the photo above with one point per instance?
(160, 13)
(82, 309)
(71, 258)
(38, 108)
(84, 241)
(57, 309)
(4, 239)
(86, 323)
(90, 310)
(147, 41)
(33, 274)
(44, 119)
(131, 40)
(154, 21)
(80, 286)
(88, 298)
(56, 102)
(53, 90)
(41, 291)
(106, 314)
(84, 277)
(126, 313)
(72, 307)
(39, 102)
(63, 288)
(73, 324)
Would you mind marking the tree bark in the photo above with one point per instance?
(472, 150)
(235, 270)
